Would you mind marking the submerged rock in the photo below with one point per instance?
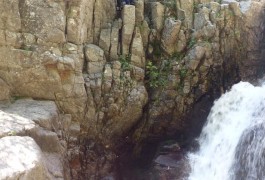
(170, 168)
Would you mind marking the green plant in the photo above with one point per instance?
(219, 14)
(125, 80)
(191, 43)
(15, 98)
(12, 133)
(26, 48)
(125, 62)
(207, 42)
(183, 73)
(141, 27)
(177, 56)
(156, 78)
(172, 6)
(195, 7)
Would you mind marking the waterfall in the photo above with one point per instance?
(232, 142)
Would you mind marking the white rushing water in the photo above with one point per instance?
(230, 138)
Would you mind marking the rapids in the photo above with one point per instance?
(232, 142)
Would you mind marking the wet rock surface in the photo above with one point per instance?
(250, 151)
(166, 170)
(166, 160)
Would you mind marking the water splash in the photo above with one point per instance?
(230, 136)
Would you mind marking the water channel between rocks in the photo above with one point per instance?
(231, 144)
(232, 140)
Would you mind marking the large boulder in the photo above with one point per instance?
(21, 158)
(14, 124)
(42, 113)
(41, 121)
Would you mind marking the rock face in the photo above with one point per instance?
(21, 158)
(30, 140)
(198, 53)
(114, 76)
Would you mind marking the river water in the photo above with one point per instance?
(232, 142)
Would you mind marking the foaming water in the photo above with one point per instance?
(232, 141)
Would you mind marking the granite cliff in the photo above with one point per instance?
(80, 78)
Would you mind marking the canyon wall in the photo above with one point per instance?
(118, 76)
